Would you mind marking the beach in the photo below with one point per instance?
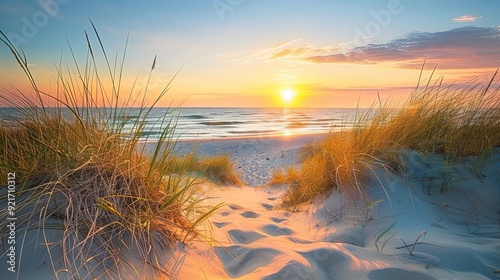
(408, 234)
(249, 140)
(255, 159)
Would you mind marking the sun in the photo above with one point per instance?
(288, 95)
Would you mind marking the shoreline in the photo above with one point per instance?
(264, 136)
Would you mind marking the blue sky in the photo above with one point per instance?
(244, 52)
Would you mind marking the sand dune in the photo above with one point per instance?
(428, 222)
(459, 228)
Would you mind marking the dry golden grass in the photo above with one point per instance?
(455, 122)
(220, 169)
(75, 165)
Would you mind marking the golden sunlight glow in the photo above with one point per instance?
(288, 95)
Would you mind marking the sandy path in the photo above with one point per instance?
(256, 158)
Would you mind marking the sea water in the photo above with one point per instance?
(219, 123)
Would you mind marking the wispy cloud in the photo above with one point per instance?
(466, 18)
(282, 50)
(466, 47)
(258, 55)
(307, 50)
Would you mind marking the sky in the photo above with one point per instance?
(256, 53)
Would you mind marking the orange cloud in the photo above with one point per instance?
(466, 18)
(460, 48)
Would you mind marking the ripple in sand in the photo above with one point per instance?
(298, 240)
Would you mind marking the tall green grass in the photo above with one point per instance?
(445, 119)
(76, 168)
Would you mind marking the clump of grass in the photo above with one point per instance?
(75, 166)
(288, 176)
(218, 169)
(337, 164)
(449, 120)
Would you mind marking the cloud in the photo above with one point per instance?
(466, 47)
(281, 50)
(303, 51)
(258, 55)
(466, 18)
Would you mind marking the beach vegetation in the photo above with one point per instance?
(218, 169)
(79, 172)
(452, 120)
(415, 243)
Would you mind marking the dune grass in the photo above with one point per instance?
(218, 169)
(445, 119)
(79, 172)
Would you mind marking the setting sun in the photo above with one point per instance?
(288, 95)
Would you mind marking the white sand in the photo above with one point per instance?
(336, 239)
(255, 158)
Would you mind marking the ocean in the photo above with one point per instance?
(220, 123)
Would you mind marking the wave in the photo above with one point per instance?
(150, 133)
(220, 123)
(194, 117)
(295, 125)
(257, 132)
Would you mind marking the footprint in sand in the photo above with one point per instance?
(275, 230)
(250, 214)
(235, 207)
(277, 220)
(219, 225)
(267, 206)
(239, 260)
(225, 213)
(244, 237)
(272, 198)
